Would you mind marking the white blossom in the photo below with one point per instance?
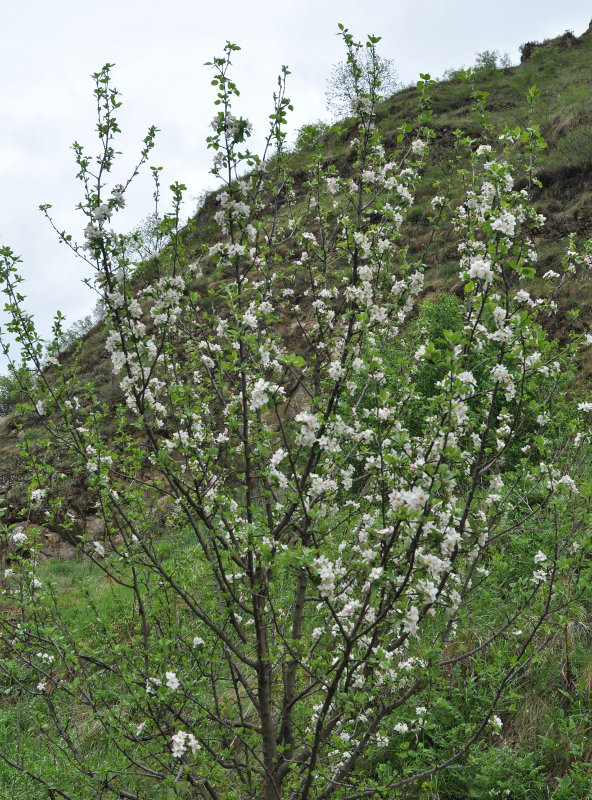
(410, 623)
(99, 549)
(496, 724)
(172, 681)
(335, 370)
(37, 495)
(180, 741)
(18, 536)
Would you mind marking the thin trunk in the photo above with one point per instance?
(264, 682)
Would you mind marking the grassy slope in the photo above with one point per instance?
(564, 113)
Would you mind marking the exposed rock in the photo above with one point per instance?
(527, 49)
(76, 525)
(162, 510)
(73, 528)
(564, 42)
(96, 531)
(60, 544)
(567, 40)
(94, 527)
(48, 544)
(55, 546)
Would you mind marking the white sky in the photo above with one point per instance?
(51, 47)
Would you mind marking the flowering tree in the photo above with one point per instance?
(343, 490)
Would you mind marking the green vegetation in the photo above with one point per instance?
(345, 528)
(543, 753)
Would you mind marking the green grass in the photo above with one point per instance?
(543, 753)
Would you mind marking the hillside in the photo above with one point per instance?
(319, 502)
(560, 69)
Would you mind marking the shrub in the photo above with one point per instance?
(13, 389)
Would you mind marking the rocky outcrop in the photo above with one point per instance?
(28, 540)
(527, 49)
(566, 41)
(55, 546)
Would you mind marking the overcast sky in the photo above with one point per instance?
(51, 47)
